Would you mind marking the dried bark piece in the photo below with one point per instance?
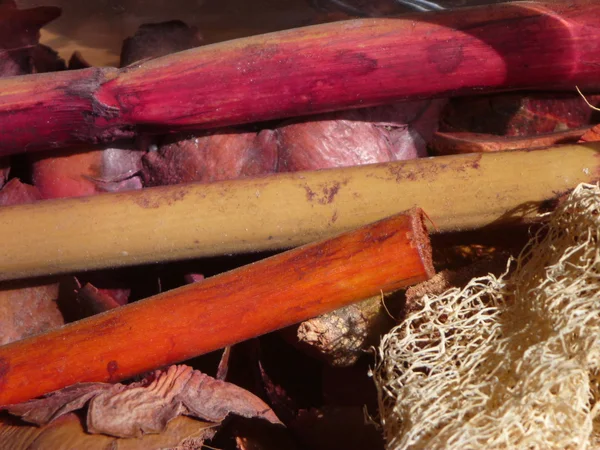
(29, 307)
(342, 336)
(223, 155)
(159, 39)
(67, 432)
(147, 406)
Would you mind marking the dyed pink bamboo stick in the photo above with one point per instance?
(522, 45)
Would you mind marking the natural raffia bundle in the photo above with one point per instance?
(508, 362)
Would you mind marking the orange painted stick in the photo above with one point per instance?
(228, 308)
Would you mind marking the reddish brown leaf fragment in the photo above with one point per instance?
(225, 155)
(365, 136)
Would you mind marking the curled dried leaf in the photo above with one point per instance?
(148, 406)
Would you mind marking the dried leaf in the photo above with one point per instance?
(147, 407)
(224, 155)
(365, 136)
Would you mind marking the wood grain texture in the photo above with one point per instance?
(220, 311)
(284, 210)
(348, 64)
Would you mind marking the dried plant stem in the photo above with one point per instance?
(284, 210)
(349, 64)
(220, 311)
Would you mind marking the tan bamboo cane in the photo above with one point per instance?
(285, 210)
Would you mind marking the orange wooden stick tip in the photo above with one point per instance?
(222, 310)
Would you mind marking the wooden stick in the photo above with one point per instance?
(220, 311)
(284, 210)
(521, 45)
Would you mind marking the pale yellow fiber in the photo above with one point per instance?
(510, 362)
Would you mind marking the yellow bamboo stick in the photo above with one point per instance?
(284, 210)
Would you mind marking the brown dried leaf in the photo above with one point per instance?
(225, 155)
(364, 136)
(141, 408)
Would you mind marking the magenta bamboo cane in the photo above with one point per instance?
(523, 45)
